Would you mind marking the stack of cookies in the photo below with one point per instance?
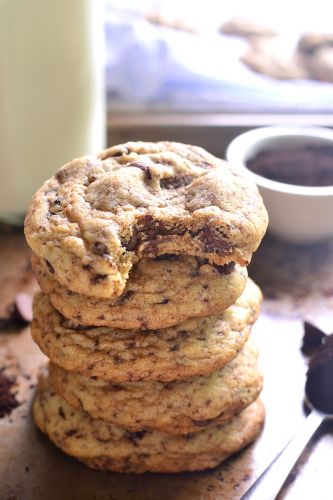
(146, 308)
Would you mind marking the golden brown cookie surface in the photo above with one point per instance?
(194, 347)
(159, 293)
(99, 215)
(179, 407)
(107, 447)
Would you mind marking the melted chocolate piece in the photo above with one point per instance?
(226, 268)
(149, 230)
(214, 242)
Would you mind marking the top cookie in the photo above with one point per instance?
(100, 214)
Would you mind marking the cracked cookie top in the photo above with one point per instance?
(99, 215)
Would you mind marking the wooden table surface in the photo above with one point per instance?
(297, 283)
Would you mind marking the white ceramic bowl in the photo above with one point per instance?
(297, 214)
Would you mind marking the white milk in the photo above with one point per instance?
(52, 99)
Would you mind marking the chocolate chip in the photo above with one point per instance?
(87, 267)
(133, 242)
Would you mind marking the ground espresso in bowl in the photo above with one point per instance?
(309, 165)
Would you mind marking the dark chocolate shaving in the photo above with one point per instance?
(312, 340)
(319, 381)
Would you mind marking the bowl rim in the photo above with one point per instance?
(238, 147)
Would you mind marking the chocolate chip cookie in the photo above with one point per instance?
(104, 446)
(99, 215)
(179, 407)
(160, 293)
(194, 347)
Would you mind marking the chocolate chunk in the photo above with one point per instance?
(213, 242)
(8, 401)
(176, 182)
(133, 242)
(226, 268)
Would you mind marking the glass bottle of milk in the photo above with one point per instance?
(52, 96)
